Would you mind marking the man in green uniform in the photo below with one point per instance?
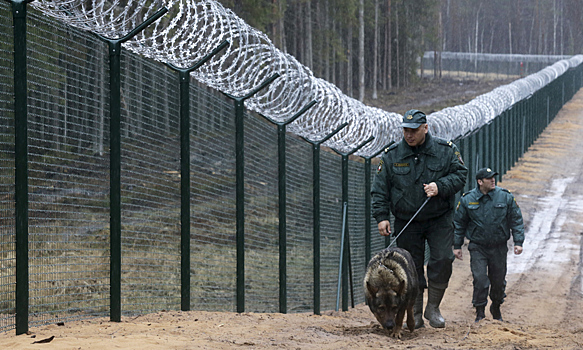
(417, 167)
(487, 215)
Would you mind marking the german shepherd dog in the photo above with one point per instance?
(390, 288)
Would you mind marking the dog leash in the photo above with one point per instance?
(413, 217)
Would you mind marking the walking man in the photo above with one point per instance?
(486, 216)
(410, 171)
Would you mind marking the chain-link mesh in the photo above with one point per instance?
(7, 222)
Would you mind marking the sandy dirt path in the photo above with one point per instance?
(543, 310)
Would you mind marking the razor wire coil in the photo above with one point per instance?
(192, 29)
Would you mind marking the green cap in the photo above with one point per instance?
(485, 173)
(413, 119)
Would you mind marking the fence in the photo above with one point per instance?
(467, 65)
(240, 251)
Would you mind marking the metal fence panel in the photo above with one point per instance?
(300, 250)
(331, 225)
(261, 219)
(150, 188)
(212, 207)
(68, 174)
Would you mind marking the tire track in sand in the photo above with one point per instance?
(544, 283)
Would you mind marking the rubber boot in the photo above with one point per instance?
(418, 311)
(432, 312)
(480, 313)
(495, 311)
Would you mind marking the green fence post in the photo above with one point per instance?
(115, 162)
(507, 138)
(523, 129)
(486, 154)
(500, 144)
(316, 211)
(20, 164)
(184, 79)
(465, 150)
(282, 191)
(240, 187)
(345, 263)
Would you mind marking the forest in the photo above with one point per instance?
(363, 46)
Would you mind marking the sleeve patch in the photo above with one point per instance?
(459, 157)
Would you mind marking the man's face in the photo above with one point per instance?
(415, 137)
(487, 184)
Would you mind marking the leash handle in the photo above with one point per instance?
(413, 217)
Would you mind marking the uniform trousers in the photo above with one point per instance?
(488, 265)
(438, 233)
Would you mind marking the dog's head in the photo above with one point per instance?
(384, 293)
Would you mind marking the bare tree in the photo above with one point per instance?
(309, 53)
(361, 50)
(375, 51)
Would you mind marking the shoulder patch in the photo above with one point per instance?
(445, 142)
(391, 147)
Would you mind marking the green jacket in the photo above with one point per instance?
(398, 185)
(488, 219)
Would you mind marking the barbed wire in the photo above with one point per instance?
(192, 29)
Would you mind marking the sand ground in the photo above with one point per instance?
(543, 310)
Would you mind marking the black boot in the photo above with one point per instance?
(432, 312)
(495, 311)
(480, 313)
(418, 310)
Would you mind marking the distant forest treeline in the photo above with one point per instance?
(374, 44)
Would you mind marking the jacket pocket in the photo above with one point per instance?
(401, 168)
(499, 211)
(435, 166)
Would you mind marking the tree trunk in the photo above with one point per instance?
(440, 45)
(333, 63)
(309, 53)
(375, 50)
(281, 26)
(326, 42)
(361, 51)
(477, 30)
(510, 37)
(390, 47)
(349, 87)
(555, 22)
(397, 48)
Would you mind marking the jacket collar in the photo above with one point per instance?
(426, 147)
(478, 194)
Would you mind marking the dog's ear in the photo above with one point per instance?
(401, 289)
(371, 289)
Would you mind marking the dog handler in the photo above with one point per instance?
(487, 215)
(417, 167)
